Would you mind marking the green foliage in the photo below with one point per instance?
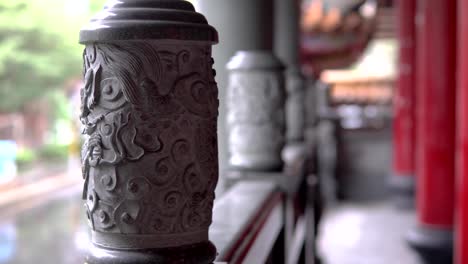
(51, 152)
(25, 157)
(39, 47)
(60, 105)
(96, 5)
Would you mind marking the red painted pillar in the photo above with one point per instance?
(404, 126)
(435, 168)
(461, 242)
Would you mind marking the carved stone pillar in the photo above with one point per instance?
(149, 115)
(256, 111)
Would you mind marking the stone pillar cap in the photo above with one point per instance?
(148, 19)
(254, 59)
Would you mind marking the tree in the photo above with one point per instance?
(39, 47)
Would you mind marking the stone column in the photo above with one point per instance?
(286, 47)
(149, 115)
(461, 239)
(242, 25)
(256, 111)
(404, 125)
(436, 38)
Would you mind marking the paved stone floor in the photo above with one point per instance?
(366, 233)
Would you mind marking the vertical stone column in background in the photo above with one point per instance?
(255, 118)
(435, 168)
(149, 115)
(404, 124)
(286, 47)
(242, 25)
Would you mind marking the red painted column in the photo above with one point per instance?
(436, 111)
(461, 241)
(435, 168)
(404, 125)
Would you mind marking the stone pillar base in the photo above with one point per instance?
(293, 150)
(202, 253)
(433, 245)
(403, 188)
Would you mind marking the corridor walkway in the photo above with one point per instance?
(366, 233)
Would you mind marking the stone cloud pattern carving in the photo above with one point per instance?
(256, 119)
(149, 113)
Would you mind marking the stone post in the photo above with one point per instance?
(256, 111)
(242, 25)
(286, 47)
(149, 115)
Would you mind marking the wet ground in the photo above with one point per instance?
(55, 232)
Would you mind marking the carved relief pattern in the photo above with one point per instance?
(256, 119)
(149, 113)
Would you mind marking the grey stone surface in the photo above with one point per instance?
(365, 163)
(327, 160)
(234, 211)
(255, 117)
(311, 107)
(150, 159)
(295, 106)
(149, 114)
(294, 151)
(148, 19)
(247, 25)
(366, 233)
(286, 47)
(286, 37)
